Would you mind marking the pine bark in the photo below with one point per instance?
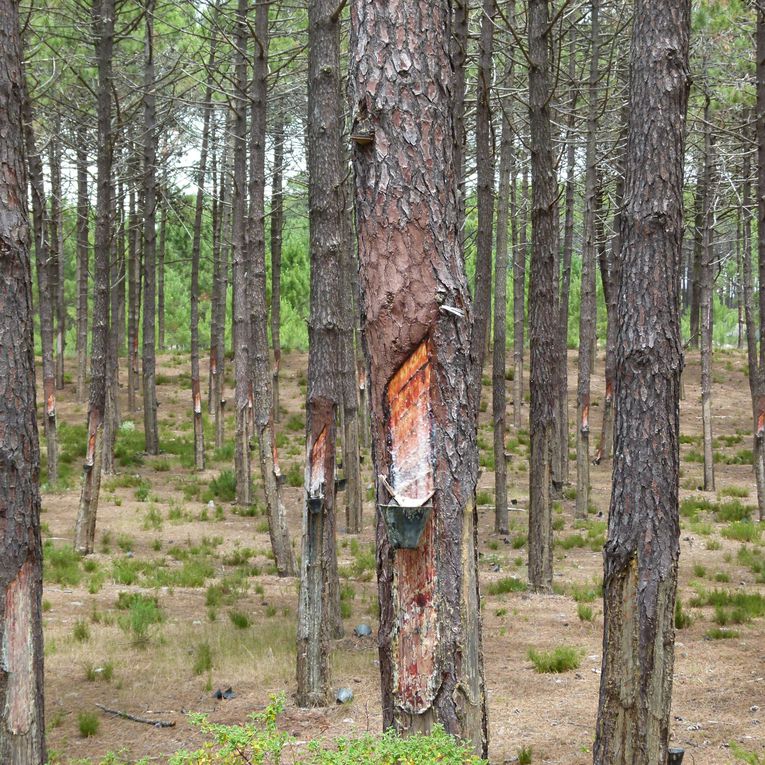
(46, 273)
(22, 724)
(83, 257)
(519, 302)
(241, 309)
(417, 315)
(642, 550)
(484, 194)
(134, 279)
(499, 382)
(543, 322)
(85, 526)
(588, 305)
(161, 251)
(706, 283)
(277, 225)
(57, 254)
(196, 244)
(259, 356)
(149, 340)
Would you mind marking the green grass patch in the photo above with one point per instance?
(505, 585)
(561, 659)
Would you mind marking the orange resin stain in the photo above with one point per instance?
(409, 425)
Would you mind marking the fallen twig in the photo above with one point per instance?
(127, 716)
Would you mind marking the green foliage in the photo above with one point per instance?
(743, 531)
(202, 658)
(260, 741)
(240, 620)
(81, 631)
(750, 758)
(584, 612)
(524, 755)
(682, 617)
(142, 613)
(504, 585)
(720, 633)
(561, 659)
(223, 487)
(88, 724)
(61, 565)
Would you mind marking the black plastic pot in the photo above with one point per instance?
(675, 755)
(405, 524)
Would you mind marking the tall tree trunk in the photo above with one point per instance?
(642, 550)
(588, 305)
(134, 279)
(499, 382)
(149, 235)
(706, 283)
(85, 526)
(519, 302)
(325, 347)
(417, 312)
(196, 244)
(161, 270)
(757, 359)
(57, 253)
(22, 723)
(277, 224)
(46, 270)
(459, 54)
(698, 246)
(241, 309)
(484, 193)
(543, 323)
(261, 366)
(83, 252)
(610, 265)
(561, 443)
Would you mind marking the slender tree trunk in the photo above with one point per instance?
(700, 202)
(543, 323)
(57, 254)
(327, 241)
(277, 224)
(149, 236)
(588, 305)
(45, 277)
(241, 309)
(417, 312)
(499, 382)
(134, 300)
(196, 244)
(459, 56)
(561, 443)
(161, 271)
(22, 723)
(519, 302)
(706, 282)
(83, 252)
(610, 265)
(85, 527)
(484, 193)
(642, 550)
(261, 366)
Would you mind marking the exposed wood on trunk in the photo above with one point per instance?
(22, 724)
(259, 356)
(642, 550)
(543, 323)
(85, 526)
(587, 303)
(415, 297)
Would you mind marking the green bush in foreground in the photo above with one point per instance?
(260, 742)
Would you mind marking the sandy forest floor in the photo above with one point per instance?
(210, 567)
